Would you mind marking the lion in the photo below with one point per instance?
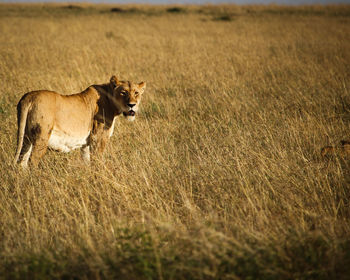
(343, 150)
(85, 120)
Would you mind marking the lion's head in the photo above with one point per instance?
(127, 96)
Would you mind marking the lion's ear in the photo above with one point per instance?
(114, 81)
(142, 86)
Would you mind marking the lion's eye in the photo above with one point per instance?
(136, 93)
(123, 93)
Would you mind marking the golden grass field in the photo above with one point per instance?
(219, 177)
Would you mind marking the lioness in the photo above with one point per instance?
(343, 150)
(66, 122)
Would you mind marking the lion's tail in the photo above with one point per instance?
(22, 113)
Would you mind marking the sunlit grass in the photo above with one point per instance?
(220, 175)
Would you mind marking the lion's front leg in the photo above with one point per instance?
(85, 153)
(99, 139)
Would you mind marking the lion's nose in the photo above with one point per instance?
(131, 105)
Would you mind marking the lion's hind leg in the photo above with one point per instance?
(40, 139)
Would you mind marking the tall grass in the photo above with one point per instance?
(219, 177)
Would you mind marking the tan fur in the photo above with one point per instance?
(343, 150)
(65, 122)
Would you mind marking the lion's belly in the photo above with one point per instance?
(66, 143)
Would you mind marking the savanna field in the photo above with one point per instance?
(219, 177)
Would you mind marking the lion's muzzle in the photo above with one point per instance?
(129, 113)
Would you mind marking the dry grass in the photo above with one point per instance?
(220, 175)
